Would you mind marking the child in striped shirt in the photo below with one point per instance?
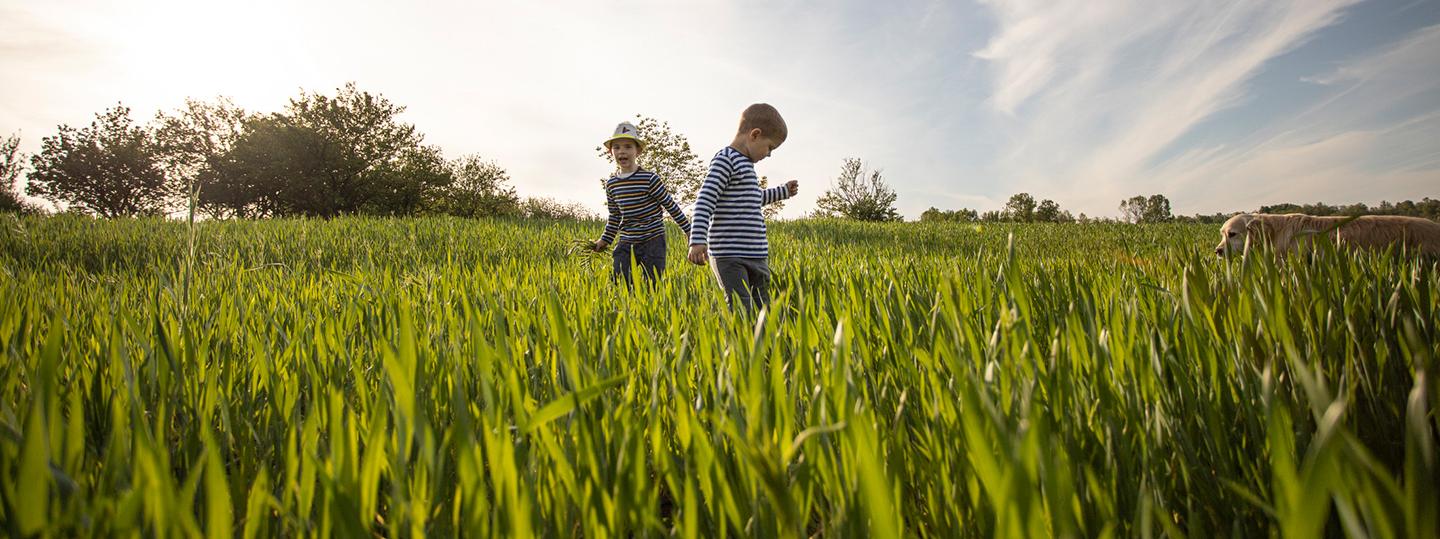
(729, 226)
(635, 197)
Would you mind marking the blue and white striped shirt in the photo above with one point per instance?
(727, 213)
(635, 202)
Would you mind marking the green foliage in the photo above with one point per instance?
(1428, 208)
(937, 215)
(12, 163)
(108, 168)
(1132, 209)
(1140, 209)
(444, 376)
(268, 172)
(1157, 210)
(415, 181)
(1212, 219)
(858, 194)
(192, 144)
(1049, 212)
(324, 156)
(554, 210)
(480, 189)
(1020, 208)
(327, 156)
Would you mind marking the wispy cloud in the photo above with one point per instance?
(1372, 137)
(1095, 94)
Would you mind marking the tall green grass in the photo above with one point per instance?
(450, 377)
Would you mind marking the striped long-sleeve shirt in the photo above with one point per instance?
(635, 203)
(727, 213)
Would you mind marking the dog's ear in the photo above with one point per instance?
(1253, 223)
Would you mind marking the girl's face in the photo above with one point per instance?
(625, 153)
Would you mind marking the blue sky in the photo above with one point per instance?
(1218, 105)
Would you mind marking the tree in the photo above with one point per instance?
(963, 215)
(1020, 208)
(859, 194)
(269, 170)
(364, 152)
(108, 168)
(1430, 208)
(1427, 208)
(192, 142)
(479, 189)
(416, 183)
(1157, 209)
(1049, 212)
(549, 208)
(1132, 209)
(1140, 209)
(1215, 218)
(669, 156)
(1353, 209)
(327, 156)
(12, 163)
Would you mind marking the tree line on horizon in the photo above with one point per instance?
(322, 156)
(1140, 209)
(349, 154)
(1020, 208)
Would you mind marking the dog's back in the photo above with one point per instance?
(1291, 231)
(1381, 231)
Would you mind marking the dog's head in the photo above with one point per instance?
(1234, 232)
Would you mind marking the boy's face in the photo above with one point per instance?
(625, 152)
(762, 145)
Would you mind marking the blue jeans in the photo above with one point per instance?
(649, 254)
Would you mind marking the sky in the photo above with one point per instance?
(1218, 105)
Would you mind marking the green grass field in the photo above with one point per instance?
(449, 377)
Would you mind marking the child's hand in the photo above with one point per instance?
(793, 186)
(697, 255)
(600, 245)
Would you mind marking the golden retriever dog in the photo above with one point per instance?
(1288, 232)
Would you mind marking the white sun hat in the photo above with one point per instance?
(626, 130)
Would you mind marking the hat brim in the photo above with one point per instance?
(638, 142)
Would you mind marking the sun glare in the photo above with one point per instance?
(173, 50)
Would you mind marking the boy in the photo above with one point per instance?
(635, 197)
(728, 223)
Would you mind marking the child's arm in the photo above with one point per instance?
(715, 183)
(780, 192)
(660, 195)
(612, 224)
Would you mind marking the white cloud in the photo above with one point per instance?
(1096, 92)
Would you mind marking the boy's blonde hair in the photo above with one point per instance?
(764, 117)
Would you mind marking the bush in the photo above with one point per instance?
(549, 208)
